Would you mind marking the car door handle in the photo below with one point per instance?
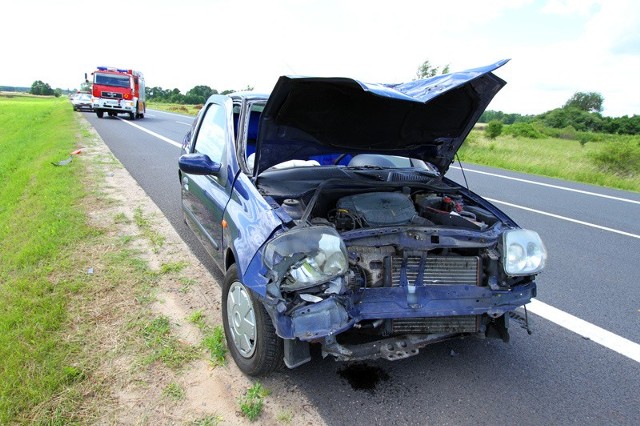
(185, 183)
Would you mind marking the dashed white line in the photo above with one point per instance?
(568, 219)
(173, 113)
(587, 330)
(548, 185)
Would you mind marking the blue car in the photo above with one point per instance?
(326, 207)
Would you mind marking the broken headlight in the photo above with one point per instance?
(523, 252)
(307, 256)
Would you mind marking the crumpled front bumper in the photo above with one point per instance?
(338, 313)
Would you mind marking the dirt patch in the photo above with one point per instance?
(137, 394)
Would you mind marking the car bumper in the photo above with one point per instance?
(337, 314)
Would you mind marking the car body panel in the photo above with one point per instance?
(424, 119)
(226, 195)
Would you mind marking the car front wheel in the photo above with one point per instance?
(251, 337)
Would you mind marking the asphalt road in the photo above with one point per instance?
(581, 365)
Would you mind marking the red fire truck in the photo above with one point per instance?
(118, 91)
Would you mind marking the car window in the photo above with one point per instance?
(212, 133)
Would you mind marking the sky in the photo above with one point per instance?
(556, 47)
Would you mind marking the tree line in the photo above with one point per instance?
(581, 113)
(41, 88)
(195, 96)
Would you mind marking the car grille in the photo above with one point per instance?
(438, 270)
(111, 95)
(457, 324)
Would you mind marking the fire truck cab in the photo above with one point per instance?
(118, 91)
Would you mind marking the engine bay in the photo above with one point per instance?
(362, 206)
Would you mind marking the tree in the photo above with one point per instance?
(586, 101)
(199, 94)
(85, 86)
(40, 88)
(427, 70)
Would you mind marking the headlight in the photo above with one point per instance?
(306, 257)
(523, 252)
(129, 104)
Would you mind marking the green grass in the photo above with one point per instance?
(174, 391)
(559, 158)
(177, 108)
(212, 420)
(165, 347)
(172, 267)
(145, 226)
(57, 319)
(252, 402)
(214, 340)
(41, 225)
(215, 343)
(197, 318)
(285, 417)
(186, 284)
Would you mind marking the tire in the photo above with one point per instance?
(251, 336)
(112, 114)
(99, 114)
(132, 116)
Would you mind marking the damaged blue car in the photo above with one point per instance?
(326, 207)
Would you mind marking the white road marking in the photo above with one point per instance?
(568, 219)
(186, 124)
(167, 140)
(583, 328)
(587, 330)
(563, 188)
(173, 113)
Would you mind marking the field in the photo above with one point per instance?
(42, 226)
(612, 162)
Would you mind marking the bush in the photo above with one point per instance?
(621, 158)
(494, 129)
(525, 130)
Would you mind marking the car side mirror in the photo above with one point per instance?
(198, 164)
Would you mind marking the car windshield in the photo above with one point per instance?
(112, 80)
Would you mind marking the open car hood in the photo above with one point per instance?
(425, 119)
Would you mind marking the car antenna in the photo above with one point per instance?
(462, 170)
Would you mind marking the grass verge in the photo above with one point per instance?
(41, 228)
(177, 108)
(75, 290)
(558, 158)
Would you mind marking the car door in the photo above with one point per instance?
(204, 197)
